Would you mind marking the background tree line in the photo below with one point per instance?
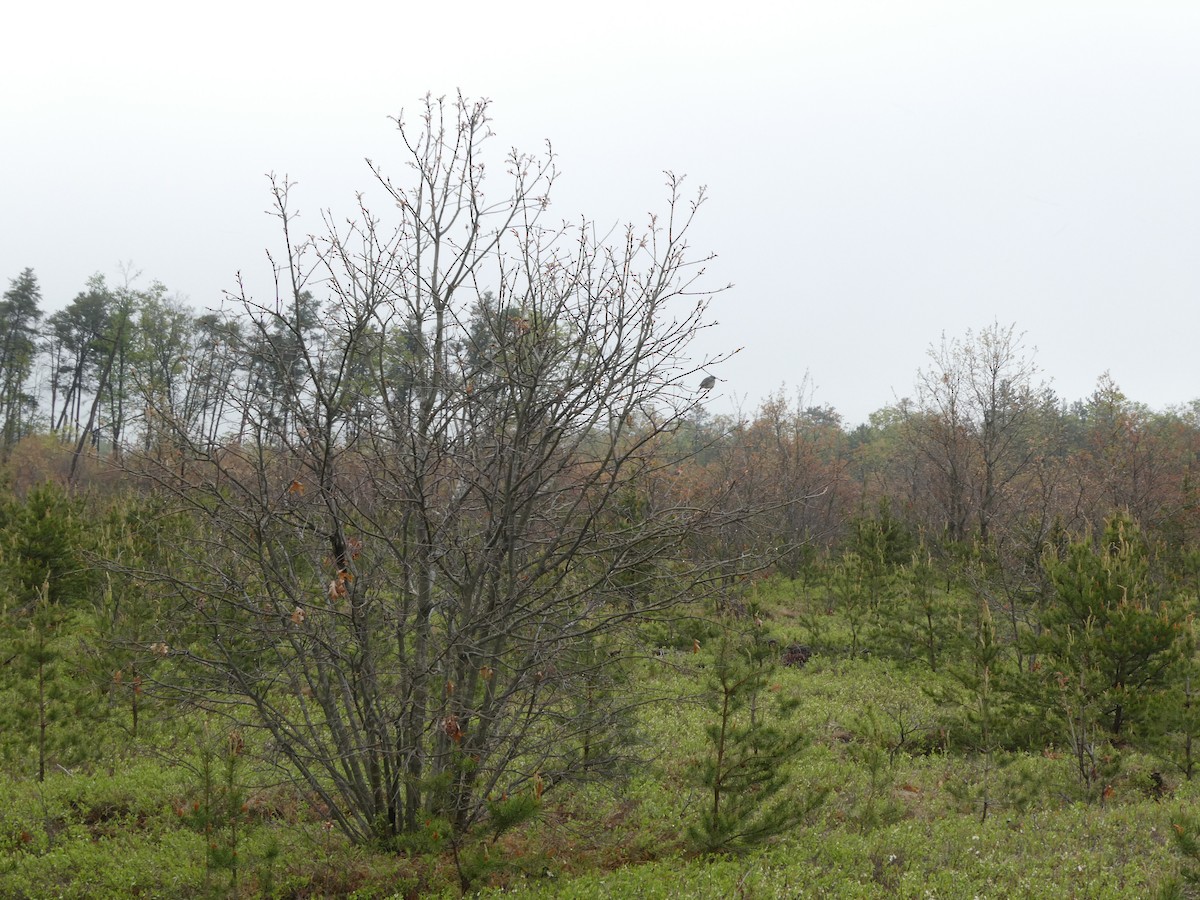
(982, 451)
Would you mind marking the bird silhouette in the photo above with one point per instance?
(708, 383)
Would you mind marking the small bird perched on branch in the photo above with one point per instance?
(708, 383)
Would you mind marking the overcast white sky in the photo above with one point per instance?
(879, 172)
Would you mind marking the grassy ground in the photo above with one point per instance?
(903, 816)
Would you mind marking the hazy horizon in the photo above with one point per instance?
(879, 174)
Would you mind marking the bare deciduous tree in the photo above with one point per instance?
(977, 409)
(420, 579)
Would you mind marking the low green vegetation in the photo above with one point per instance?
(787, 742)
